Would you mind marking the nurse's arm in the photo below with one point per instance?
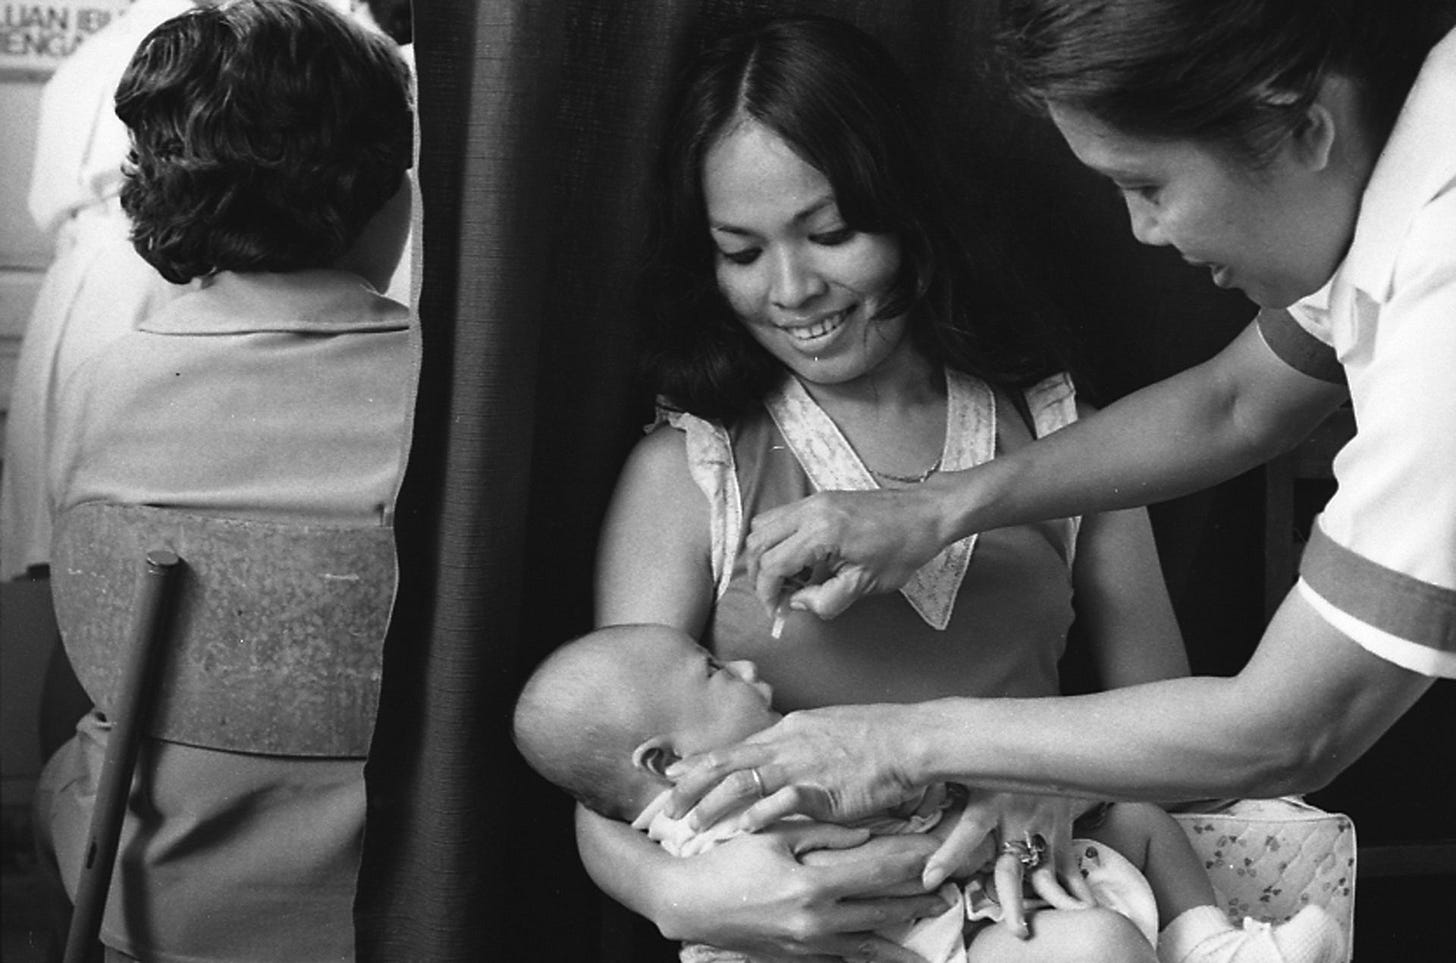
(1206, 424)
(1307, 705)
(1233, 412)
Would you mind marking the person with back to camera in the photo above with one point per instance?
(605, 715)
(1303, 153)
(271, 143)
(821, 321)
(97, 286)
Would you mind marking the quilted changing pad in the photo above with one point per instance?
(1267, 858)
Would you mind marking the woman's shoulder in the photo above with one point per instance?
(670, 416)
(683, 444)
(1052, 403)
(662, 445)
(676, 429)
(699, 432)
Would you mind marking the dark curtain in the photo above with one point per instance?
(538, 121)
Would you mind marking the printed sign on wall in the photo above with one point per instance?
(36, 37)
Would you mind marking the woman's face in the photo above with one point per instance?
(1276, 233)
(805, 284)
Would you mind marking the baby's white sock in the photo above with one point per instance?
(1204, 935)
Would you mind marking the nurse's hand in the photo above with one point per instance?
(835, 764)
(866, 542)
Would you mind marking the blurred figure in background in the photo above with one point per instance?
(96, 288)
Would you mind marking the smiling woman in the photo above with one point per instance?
(823, 317)
(1275, 231)
(860, 191)
(810, 289)
(1304, 153)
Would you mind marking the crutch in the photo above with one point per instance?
(134, 700)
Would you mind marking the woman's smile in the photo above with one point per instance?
(818, 330)
(806, 284)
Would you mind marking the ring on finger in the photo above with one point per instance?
(758, 781)
(1029, 851)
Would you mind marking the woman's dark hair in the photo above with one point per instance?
(838, 99)
(264, 136)
(394, 17)
(1239, 74)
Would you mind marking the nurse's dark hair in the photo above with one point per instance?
(843, 105)
(264, 136)
(1233, 73)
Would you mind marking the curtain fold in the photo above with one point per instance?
(538, 123)
(430, 887)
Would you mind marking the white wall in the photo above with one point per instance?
(24, 251)
(25, 623)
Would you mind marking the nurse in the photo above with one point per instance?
(1305, 154)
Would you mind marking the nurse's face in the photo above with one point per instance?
(806, 285)
(1276, 233)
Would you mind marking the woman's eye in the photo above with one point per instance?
(746, 256)
(838, 236)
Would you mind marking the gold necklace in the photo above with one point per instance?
(908, 479)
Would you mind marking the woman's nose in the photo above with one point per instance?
(795, 281)
(1144, 222)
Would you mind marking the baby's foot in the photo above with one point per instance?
(1310, 936)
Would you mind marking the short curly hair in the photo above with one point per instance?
(264, 136)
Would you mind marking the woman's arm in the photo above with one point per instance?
(653, 560)
(1308, 704)
(1199, 427)
(1126, 618)
(751, 893)
(1122, 603)
(765, 893)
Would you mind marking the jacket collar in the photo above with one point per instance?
(323, 301)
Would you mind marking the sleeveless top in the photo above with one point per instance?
(987, 617)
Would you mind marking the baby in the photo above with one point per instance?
(605, 715)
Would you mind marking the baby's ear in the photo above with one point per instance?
(654, 756)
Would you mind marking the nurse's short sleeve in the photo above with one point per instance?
(1381, 564)
(1298, 347)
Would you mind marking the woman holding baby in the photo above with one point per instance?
(824, 319)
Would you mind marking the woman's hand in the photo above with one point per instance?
(836, 764)
(802, 888)
(1033, 836)
(867, 541)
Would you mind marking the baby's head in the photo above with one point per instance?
(606, 714)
